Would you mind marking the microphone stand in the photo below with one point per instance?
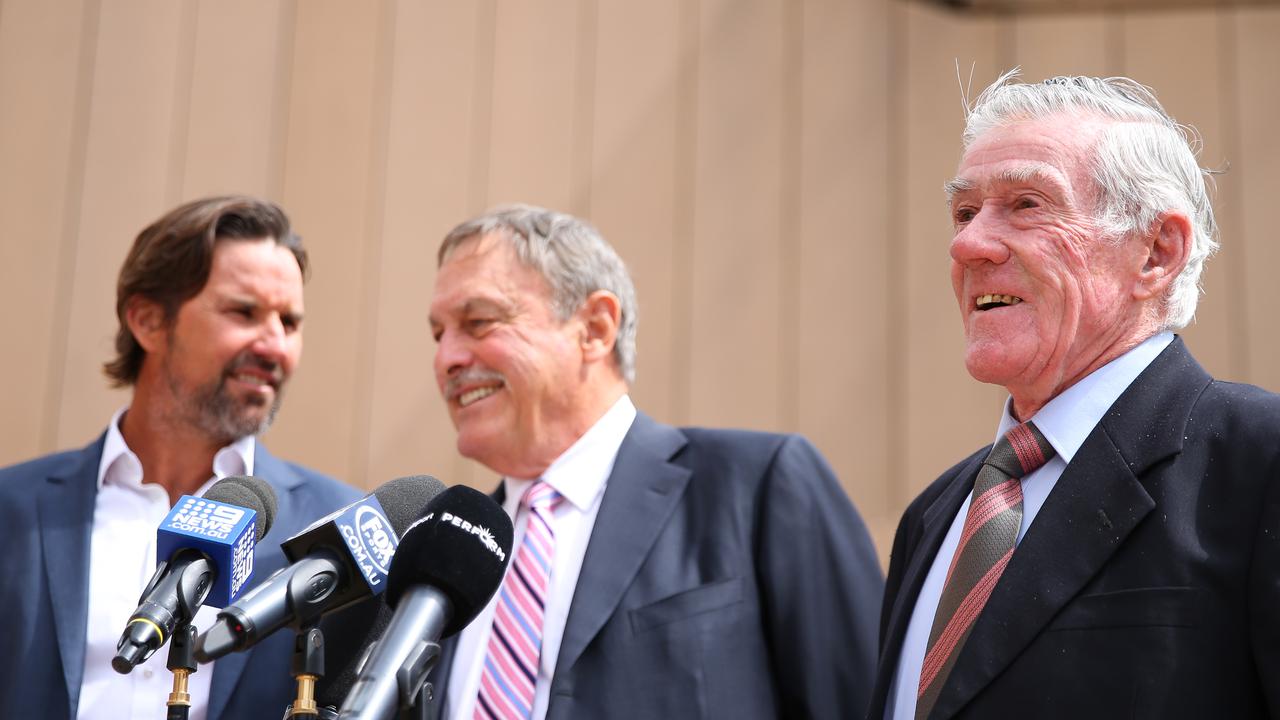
(182, 662)
(308, 667)
(417, 710)
(415, 691)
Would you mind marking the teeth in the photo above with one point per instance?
(251, 379)
(991, 299)
(471, 396)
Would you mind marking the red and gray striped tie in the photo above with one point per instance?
(511, 662)
(986, 544)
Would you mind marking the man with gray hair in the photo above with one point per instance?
(1116, 553)
(658, 571)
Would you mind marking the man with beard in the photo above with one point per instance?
(210, 307)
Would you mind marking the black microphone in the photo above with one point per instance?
(204, 551)
(447, 567)
(338, 561)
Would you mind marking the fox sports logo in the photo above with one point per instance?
(377, 537)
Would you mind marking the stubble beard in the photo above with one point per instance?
(220, 416)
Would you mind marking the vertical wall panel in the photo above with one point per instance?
(942, 402)
(736, 347)
(327, 170)
(40, 60)
(1050, 45)
(1256, 167)
(535, 79)
(771, 172)
(634, 174)
(842, 240)
(429, 146)
(136, 96)
(1176, 54)
(234, 100)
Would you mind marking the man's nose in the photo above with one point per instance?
(452, 354)
(982, 239)
(272, 340)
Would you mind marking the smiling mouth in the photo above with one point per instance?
(990, 300)
(254, 380)
(480, 393)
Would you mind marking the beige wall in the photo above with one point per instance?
(770, 169)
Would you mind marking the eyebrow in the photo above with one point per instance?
(471, 305)
(1013, 176)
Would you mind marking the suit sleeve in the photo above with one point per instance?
(1264, 596)
(821, 587)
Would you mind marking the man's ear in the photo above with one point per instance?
(1167, 248)
(601, 313)
(145, 318)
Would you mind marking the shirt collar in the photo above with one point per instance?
(119, 464)
(581, 472)
(1066, 420)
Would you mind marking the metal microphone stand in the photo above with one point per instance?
(182, 662)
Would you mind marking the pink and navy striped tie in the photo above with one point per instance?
(515, 644)
(986, 544)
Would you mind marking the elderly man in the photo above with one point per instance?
(1117, 552)
(660, 572)
(210, 308)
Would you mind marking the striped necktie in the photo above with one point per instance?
(515, 644)
(986, 544)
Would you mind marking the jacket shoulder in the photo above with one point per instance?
(19, 476)
(745, 445)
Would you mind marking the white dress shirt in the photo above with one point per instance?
(122, 559)
(580, 475)
(1065, 421)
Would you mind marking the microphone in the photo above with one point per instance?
(339, 560)
(204, 552)
(448, 566)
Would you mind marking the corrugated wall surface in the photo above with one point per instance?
(770, 169)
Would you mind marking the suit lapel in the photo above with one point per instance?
(65, 507)
(1093, 507)
(229, 668)
(934, 523)
(641, 493)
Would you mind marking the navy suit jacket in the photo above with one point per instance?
(46, 515)
(1148, 585)
(727, 576)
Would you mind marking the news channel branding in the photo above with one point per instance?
(370, 538)
(226, 533)
(481, 533)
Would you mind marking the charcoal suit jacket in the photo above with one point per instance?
(1148, 585)
(727, 576)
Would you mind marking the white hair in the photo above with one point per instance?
(1144, 163)
(570, 255)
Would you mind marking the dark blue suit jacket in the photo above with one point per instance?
(46, 514)
(1148, 585)
(727, 576)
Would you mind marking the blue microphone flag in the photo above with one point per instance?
(223, 532)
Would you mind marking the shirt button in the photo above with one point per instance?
(147, 673)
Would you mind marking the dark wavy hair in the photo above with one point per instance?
(170, 260)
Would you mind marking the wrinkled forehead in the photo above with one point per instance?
(1057, 153)
(485, 268)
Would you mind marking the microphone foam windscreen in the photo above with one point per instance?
(460, 547)
(247, 492)
(405, 499)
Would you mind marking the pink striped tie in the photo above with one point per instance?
(511, 662)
